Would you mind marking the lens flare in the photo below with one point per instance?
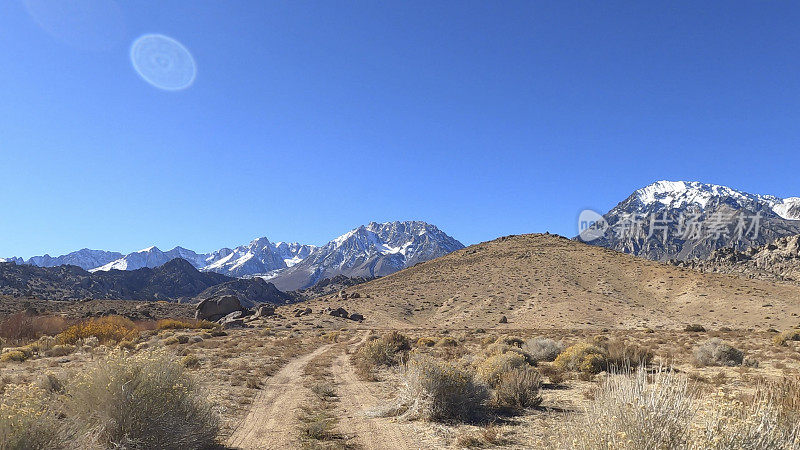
(163, 62)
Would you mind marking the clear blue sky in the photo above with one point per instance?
(307, 119)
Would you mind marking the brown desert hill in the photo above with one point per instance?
(547, 281)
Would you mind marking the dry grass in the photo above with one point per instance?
(715, 352)
(489, 436)
(440, 392)
(518, 389)
(120, 396)
(635, 411)
(543, 349)
(388, 350)
(21, 328)
(29, 419)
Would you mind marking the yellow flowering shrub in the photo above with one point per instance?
(491, 369)
(173, 324)
(29, 420)
(13, 355)
(789, 335)
(426, 342)
(447, 341)
(105, 329)
(583, 357)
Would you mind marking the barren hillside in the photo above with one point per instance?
(547, 281)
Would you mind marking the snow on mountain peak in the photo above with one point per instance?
(680, 194)
(400, 243)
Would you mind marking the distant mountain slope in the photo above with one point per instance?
(685, 220)
(546, 281)
(152, 257)
(778, 261)
(84, 258)
(250, 291)
(259, 257)
(173, 280)
(376, 249)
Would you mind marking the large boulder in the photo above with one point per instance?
(215, 308)
(339, 312)
(265, 311)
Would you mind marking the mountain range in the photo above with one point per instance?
(371, 250)
(683, 220)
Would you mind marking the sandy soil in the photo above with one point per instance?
(270, 424)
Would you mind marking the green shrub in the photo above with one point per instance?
(142, 400)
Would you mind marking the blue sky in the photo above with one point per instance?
(307, 119)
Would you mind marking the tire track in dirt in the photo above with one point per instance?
(357, 400)
(271, 421)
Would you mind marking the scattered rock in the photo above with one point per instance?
(355, 295)
(504, 319)
(357, 317)
(232, 316)
(237, 323)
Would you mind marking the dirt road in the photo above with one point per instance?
(270, 424)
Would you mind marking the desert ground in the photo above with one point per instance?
(547, 344)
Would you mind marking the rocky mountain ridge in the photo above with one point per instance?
(177, 280)
(369, 251)
(689, 220)
(776, 261)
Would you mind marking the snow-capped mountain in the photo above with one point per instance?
(373, 250)
(376, 249)
(259, 257)
(684, 220)
(683, 194)
(84, 258)
(292, 252)
(151, 257)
